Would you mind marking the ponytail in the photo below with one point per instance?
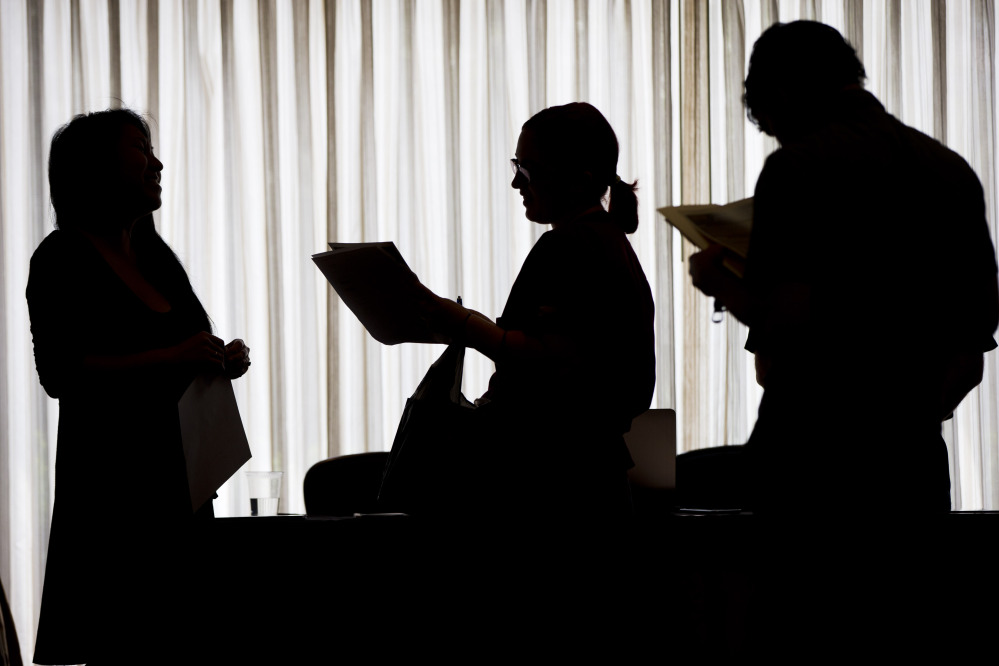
(576, 138)
(623, 205)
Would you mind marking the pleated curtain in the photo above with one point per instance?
(287, 124)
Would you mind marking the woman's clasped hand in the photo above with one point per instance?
(211, 353)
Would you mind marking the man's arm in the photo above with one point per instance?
(711, 277)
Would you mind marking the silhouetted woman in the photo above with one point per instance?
(118, 335)
(574, 348)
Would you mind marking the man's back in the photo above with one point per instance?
(869, 268)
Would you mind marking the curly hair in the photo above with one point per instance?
(804, 61)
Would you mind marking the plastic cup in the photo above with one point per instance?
(265, 492)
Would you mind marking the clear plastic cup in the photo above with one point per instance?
(265, 492)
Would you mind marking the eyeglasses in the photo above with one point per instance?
(519, 168)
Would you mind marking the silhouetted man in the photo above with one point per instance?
(870, 288)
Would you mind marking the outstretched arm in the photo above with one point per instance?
(452, 322)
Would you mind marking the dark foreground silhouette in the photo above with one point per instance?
(574, 347)
(118, 335)
(870, 287)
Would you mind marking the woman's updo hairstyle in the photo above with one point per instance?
(83, 163)
(576, 138)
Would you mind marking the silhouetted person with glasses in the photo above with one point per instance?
(118, 335)
(574, 347)
(870, 287)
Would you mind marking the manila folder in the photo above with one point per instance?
(373, 280)
(215, 444)
(729, 226)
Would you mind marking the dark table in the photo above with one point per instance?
(685, 588)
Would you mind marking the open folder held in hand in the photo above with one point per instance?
(373, 280)
(712, 224)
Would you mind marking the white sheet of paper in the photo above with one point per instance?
(215, 444)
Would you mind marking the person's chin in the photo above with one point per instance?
(533, 214)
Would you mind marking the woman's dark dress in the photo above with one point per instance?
(582, 293)
(122, 509)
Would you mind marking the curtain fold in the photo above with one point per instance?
(283, 125)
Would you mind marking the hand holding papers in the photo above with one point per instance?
(374, 281)
(212, 433)
(728, 226)
(722, 233)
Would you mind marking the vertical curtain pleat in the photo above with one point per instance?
(334, 445)
(369, 220)
(662, 138)
(988, 390)
(230, 166)
(7, 489)
(300, 177)
(581, 23)
(252, 213)
(17, 513)
(114, 54)
(969, 127)
(474, 191)
(451, 23)
(76, 54)
(854, 28)
(153, 66)
(698, 419)
(27, 450)
(939, 49)
(94, 44)
(742, 394)
(916, 75)
(43, 413)
(977, 436)
(347, 79)
(536, 29)
(276, 357)
(892, 98)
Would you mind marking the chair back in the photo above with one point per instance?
(344, 485)
(713, 478)
(652, 444)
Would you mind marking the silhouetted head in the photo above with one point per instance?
(102, 171)
(567, 157)
(796, 71)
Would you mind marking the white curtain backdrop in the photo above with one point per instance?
(285, 124)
